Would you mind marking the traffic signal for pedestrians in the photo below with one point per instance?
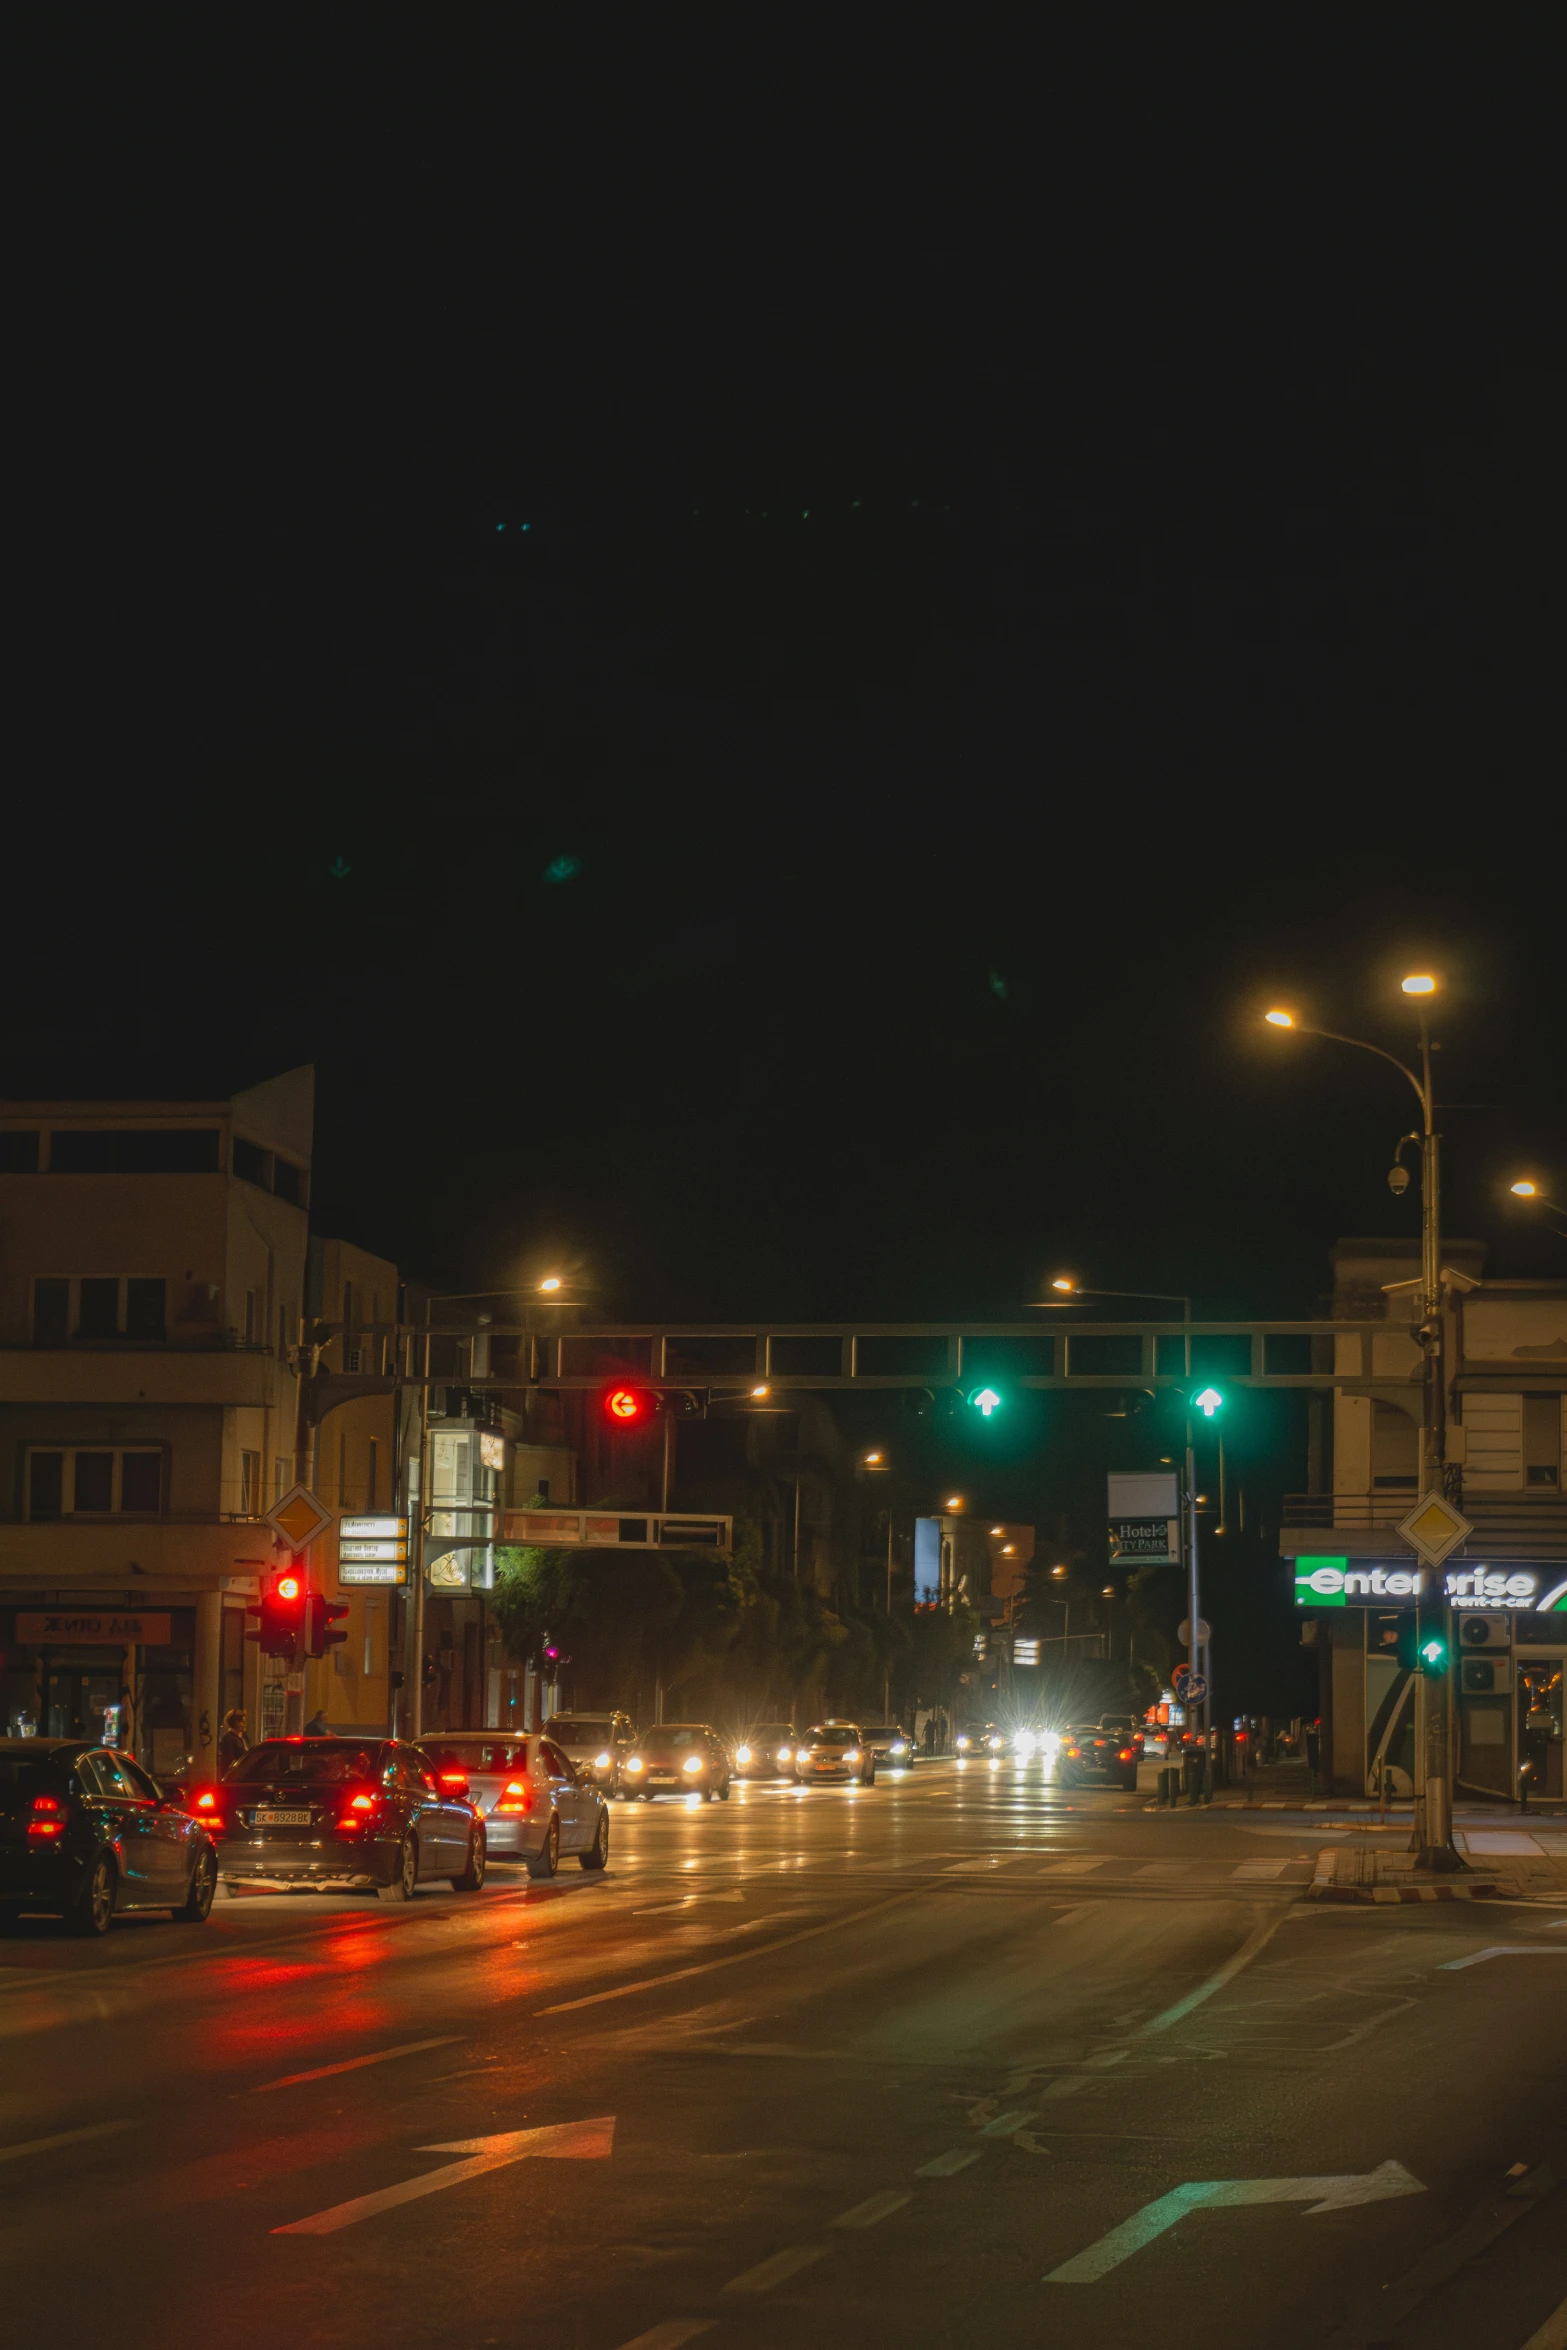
(322, 1613)
(280, 1616)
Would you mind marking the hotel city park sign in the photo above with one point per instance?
(1329, 1582)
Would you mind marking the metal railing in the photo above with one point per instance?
(1523, 1525)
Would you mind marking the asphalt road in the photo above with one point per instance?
(958, 2060)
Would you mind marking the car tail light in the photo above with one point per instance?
(1072, 1753)
(357, 1813)
(457, 1781)
(48, 1818)
(516, 1798)
(1126, 1754)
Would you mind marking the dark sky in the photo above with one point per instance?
(1030, 554)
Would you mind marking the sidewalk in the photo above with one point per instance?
(1505, 1864)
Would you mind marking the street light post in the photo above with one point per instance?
(1432, 1840)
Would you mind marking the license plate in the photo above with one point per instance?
(282, 1819)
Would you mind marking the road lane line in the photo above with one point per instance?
(1254, 1942)
(356, 2064)
(768, 2273)
(1553, 2334)
(671, 2333)
(1249, 1872)
(711, 1966)
(874, 2208)
(1072, 1868)
(565, 2141)
(956, 2158)
(1067, 2086)
(1453, 1966)
(1005, 2123)
(62, 2138)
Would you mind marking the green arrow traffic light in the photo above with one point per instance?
(985, 1400)
(1433, 1652)
(1208, 1401)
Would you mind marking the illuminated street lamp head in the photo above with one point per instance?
(1525, 1190)
(873, 1460)
(1279, 1019)
(1420, 983)
(1058, 1570)
(761, 1391)
(550, 1283)
(1065, 1283)
(1107, 1591)
(1208, 1401)
(954, 1501)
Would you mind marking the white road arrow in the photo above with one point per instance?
(1329, 2194)
(561, 2141)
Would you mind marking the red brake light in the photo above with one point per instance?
(43, 1803)
(358, 1812)
(454, 1779)
(1126, 1754)
(46, 1821)
(516, 1796)
(206, 1801)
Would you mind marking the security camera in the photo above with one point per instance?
(1398, 1181)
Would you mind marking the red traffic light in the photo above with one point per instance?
(287, 1587)
(625, 1404)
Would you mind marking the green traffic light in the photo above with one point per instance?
(1208, 1402)
(1433, 1653)
(985, 1400)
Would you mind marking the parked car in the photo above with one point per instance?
(536, 1803)
(1093, 1756)
(87, 1834)
(889, 1744)
(766, 1751)
(369, 1812)
(596, 1743)
(835, 1750)
(679, 1758)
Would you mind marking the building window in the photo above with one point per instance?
(90, 1481)
(249, 1484)
(51, 1313)
(250, 1317)
(144, 1309)
(98, 1309)
(19, 1153)
(288, 1182)
(126, 1150)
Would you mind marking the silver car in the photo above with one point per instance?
(536, 1805)
(596, 1743)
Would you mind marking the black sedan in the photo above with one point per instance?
(1095, 1757)
(679, 1758)
(85, 1833)
(372, 1813)
(766, 1751)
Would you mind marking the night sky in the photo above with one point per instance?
(768, 656)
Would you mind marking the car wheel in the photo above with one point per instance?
(403, 1883)
(472, 1878)
(93, 1908)
(197, 1905)
(547, 1860)
(597, 1856)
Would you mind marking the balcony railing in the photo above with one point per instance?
(1511, 1525)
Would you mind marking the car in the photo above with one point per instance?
(371, 1813)
(889, 1744)
(979, 1743)
(1124, 1726)
(1090, 1755)
(766, 1751)
(597, 1743)
(86, 1833)
(536, 1803)
(835, 1750)
(679, 1758)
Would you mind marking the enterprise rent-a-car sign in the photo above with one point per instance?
(1325, 1582)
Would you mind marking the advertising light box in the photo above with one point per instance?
(1342, 1582)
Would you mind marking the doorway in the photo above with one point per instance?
(82, 1696)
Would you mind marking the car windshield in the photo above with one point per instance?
(833, 1734)
(882, 1730)
(765, 1733)
(479, 1754)
(671, 1736)
(581, 1730)
(315, 1762)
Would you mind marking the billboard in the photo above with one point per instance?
(1145, 1518)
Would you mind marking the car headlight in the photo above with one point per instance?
(601, 1762)
(1026, 1742)
(634, 1762)
(900, 1748)
(784, 1754)
(996, 1744)
(693, 1762)
(853, 1755)
(961, 1744)
(742, 1754)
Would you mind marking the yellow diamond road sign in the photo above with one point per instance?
(299, 1517)
(1435, 1528)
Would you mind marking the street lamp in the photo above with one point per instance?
(1433, 1795)
(1527, 1190)
(1072, 1291)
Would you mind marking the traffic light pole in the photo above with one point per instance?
(1432, 1840)
(1193, 1595)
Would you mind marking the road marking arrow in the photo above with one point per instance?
(561, 2141)
(1327, 2194)
(1453, 1966)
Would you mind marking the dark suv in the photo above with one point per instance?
(370, 1812)
(85, 1832)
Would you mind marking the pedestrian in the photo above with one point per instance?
(318, 1726)
(232, 1742)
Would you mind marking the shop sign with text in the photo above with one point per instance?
(1330, 1582)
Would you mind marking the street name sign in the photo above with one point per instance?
(372, 1550)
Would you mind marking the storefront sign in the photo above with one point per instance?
(1144, 1517)
(1330, 1582)
(74, 1628)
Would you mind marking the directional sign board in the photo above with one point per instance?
(299, 1516)
(372, 1550)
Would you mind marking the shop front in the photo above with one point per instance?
(120, 1674)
